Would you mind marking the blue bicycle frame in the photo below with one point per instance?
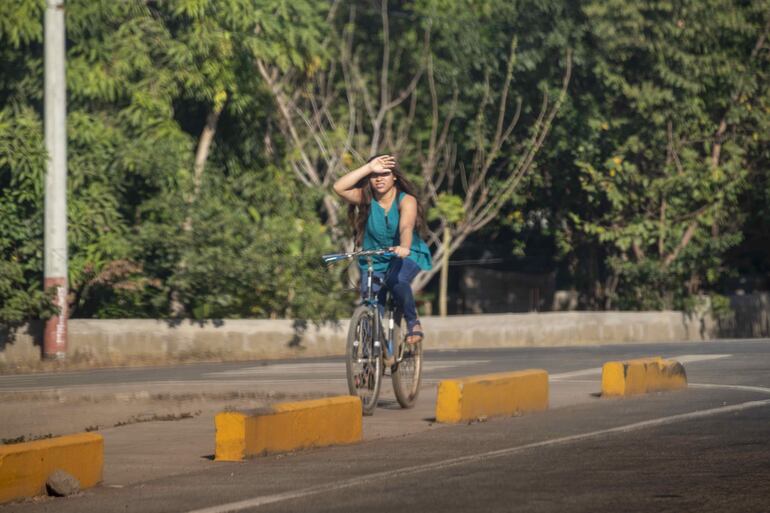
(371, 299)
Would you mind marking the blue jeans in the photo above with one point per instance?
(397, 279)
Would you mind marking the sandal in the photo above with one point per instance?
(410, 337)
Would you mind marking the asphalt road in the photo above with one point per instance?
(706, 448)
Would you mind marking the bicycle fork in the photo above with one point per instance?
(362, 353)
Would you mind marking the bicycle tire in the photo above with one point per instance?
(407, 374)
(363, 366)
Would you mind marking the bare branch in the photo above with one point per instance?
(541, 130)
(686, 238)
(722, 127)
(497, 139)
(384, 92)
(662, 231)
(431, 161)
(410, 88)
(308, 173)
(405, 126)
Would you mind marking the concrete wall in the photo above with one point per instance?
(751, 316)
(157, 341)
(126, 340)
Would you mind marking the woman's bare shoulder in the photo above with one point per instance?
(406, 198)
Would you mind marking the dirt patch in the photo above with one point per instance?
(161, 418)
(31, 415)
(86, 361)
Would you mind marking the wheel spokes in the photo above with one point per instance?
(361, 356)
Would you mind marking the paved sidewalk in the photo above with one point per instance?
(138, 448)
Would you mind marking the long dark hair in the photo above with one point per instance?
(358, 214)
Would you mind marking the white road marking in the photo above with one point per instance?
(281, 368)
(685, 358)
(18, 382)
(380, 477)
(154, 387)
(285, 369)
(746, 388)
(574, 374)
(292, 371)
(742, 388)
(561, 381)
(692, 358)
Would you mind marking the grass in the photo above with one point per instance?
(156, 417)
(21, 439)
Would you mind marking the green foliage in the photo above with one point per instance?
(448, 207)
(141, 79)
(720, 306)
(20, 300)
(20, 22)
(22, 163)
(654, 171)
(666, 116)
(254, 252)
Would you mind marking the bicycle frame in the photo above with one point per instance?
(370, 339)
(371, 301)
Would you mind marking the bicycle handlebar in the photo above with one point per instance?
(336, 257)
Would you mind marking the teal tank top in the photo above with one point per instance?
(382, 232)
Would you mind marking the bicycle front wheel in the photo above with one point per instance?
(407, 374)
(363, 360)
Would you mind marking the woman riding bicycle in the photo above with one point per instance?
(384, 213)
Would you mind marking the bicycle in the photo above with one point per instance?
(371, 342)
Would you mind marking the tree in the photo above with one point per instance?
(199, 57)
(666, 162)
(391, 101)
(22, 164)
(22, 157)
(149, 86)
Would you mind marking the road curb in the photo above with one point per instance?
(25, 467)
(642, 376)
(489, 395)
(288, 426)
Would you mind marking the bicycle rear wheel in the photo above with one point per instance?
(407, 374)
(363, 361)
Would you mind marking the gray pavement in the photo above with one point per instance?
(686, 450)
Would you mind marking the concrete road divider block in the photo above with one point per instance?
(642, 376)
(25, 467)
(288, 426)
(507, 393)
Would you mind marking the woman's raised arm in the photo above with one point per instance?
(346, 188)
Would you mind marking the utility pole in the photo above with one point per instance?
(55, 337)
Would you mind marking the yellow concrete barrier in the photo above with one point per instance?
(288, 426)
(642, 376)
(507, 393)
(25, 467)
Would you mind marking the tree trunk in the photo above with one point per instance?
(442, 297)
(201, 155)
